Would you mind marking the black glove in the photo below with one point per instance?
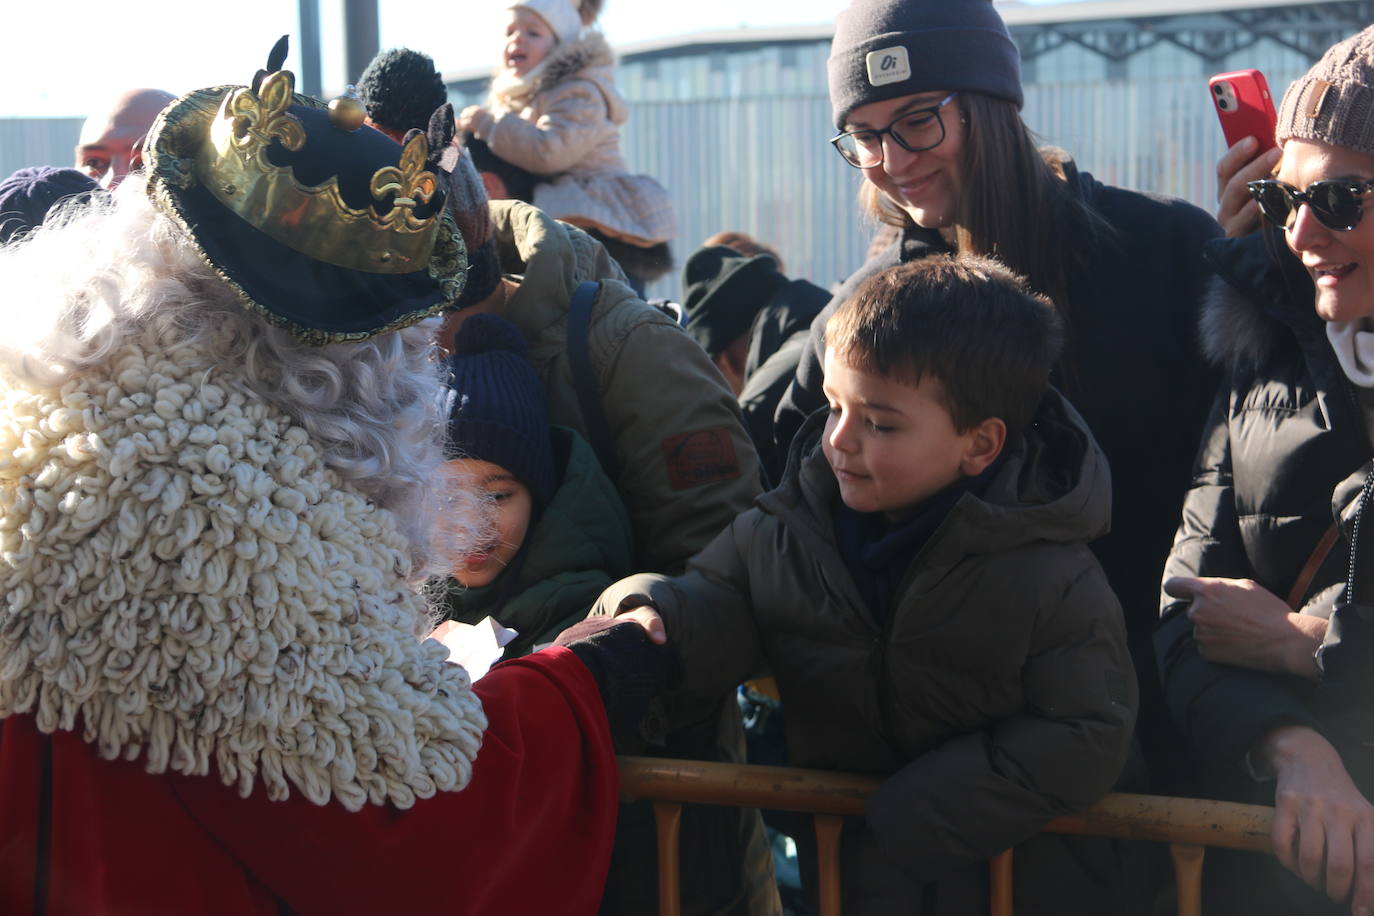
(629, 669)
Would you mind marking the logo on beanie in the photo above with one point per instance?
(888, 65)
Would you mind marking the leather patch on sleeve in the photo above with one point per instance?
(697, 458)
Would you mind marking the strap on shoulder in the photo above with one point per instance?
(589, 399)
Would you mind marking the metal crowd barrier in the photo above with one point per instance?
(1188, 825)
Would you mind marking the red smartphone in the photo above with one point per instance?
(1244, 107)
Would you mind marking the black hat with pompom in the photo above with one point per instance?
(498, 412)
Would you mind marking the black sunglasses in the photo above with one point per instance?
(1337, 203)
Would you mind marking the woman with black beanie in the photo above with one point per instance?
(926, 97)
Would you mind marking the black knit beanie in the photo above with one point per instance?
(498, 411)
(884, 49)
(28, 195)
(723, 291)
(400, 89)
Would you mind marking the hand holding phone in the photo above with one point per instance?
(1246, 111)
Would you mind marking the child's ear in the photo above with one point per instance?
(985, 443)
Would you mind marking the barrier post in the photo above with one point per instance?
(667, 820)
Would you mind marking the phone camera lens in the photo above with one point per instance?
(1223, 104)
(1217, 89)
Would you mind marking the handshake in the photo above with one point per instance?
(630, 659)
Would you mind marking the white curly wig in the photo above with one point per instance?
(96, 275)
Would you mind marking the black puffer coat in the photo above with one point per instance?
(778, 338)
(1134, 374)
(1284, 455)
(997, 694)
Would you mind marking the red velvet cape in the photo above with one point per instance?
(530, 834)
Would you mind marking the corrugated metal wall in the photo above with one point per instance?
(37, 141)
(738, 135)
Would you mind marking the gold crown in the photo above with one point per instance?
(233, 166)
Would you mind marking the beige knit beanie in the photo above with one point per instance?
(1334, 102)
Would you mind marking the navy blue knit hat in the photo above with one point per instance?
(885, 49)
(498, 411)
(28, 195)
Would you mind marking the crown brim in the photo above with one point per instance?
(318, 302)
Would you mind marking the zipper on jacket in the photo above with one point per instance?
(1355, 536)
(1364, 495)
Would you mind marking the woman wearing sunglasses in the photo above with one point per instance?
(1265, 643)
(926, 96)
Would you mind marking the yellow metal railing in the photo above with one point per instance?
(1188, 825)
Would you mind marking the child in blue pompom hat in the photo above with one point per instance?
(560, 532)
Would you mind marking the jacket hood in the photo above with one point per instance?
(1055, 486)
(1259, 299)
(589, 58)
(788, 312)
(552, 258)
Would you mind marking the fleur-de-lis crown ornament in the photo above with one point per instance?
(316, 181)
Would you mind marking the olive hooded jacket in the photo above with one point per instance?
(686, 466)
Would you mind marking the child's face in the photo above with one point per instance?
(528, 41)
(891, 444)
(512, 505)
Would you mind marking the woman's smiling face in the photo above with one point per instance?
(1341, 264)
(926, 184)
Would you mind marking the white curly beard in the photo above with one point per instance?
(185, 580)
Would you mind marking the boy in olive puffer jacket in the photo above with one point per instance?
(921, 589)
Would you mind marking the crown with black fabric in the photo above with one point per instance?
(328, 227)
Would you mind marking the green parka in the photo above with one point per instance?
(686, 465)
(579, 545)
(999, 694)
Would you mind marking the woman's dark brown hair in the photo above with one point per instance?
(1015, 204)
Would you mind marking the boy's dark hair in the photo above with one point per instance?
(968, 322)
(401, 89)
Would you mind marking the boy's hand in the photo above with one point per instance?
(647, 617)
(1236, 210)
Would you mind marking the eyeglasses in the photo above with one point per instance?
(1337, 203)
(916, 131)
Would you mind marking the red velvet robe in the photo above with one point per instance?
(530, 834)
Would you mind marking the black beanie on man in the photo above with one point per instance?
(723, 291)
(885, 49)
(28, 195)
(498, 411)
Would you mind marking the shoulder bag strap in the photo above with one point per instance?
(1314, 563)
(584, 380)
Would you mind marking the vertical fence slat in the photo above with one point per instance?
(667, 819)
(1188, 877)
(828, 827)
(1000, 884)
